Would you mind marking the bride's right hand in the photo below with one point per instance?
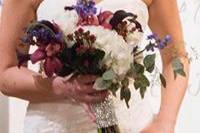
(78, 89)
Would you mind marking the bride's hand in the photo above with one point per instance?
(159, 126)
(78, 89)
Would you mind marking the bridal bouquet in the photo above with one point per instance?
(102, 44)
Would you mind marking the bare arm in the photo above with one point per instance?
(164, 19)
(16, 14)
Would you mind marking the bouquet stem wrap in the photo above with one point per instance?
(105, 116)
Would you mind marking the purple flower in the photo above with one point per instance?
(161, 44)
(156, 42)
(84, 8)
(152, 36)
(42, 33)
(168, 38)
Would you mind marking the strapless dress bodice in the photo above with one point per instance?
(69, 117)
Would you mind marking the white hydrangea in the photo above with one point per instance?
(67, 21)
(117, 53)
(134, 38)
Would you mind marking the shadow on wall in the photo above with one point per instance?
(4, 111)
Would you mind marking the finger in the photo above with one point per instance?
(86, 79)
(89, 111)
(67, 78)
(99, 97)
(84, 88)
(58, 86)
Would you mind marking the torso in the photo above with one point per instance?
(69, 117)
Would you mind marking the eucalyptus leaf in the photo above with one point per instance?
(142, 92)
(137, 85)
(181, 72)
(125, 94)
(144, 81)
(114, 88)
(177, 64)
(137, 69)
(101, 84)
(127, 97)
(178, 67)
(141, 82)
(125, 82)
(149, 62)
(109, 75)
(122, 94)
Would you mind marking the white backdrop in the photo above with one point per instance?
(12, 111)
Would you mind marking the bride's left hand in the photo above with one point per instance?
(157, 126)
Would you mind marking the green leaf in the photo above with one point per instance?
(144, 81)
(149, 62)
(99, 130)
(137, 85)
(181, 72)
(163, 81)
(178, 67)
(101, 84)
(125, 94)
(142, 92)
(137, 69)
(109, 75)
(177, 64)
(127, 97)
(122, 94)
(141, 82)
(125, 82)
(114, 88)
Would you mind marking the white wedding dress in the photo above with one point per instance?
(68, 117)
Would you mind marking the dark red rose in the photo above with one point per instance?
(104, 19)
(52, 65)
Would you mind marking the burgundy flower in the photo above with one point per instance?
(104, 19)
(52, 65)
(38, 55)
(52, 49)
(90, 20)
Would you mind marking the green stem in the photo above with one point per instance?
(111, 129)
(138, 53)
(99, 130)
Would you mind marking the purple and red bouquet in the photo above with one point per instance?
(103, 44)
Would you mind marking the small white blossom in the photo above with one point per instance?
(67, 21)
(117, 52)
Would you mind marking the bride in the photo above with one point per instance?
(64, 108)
